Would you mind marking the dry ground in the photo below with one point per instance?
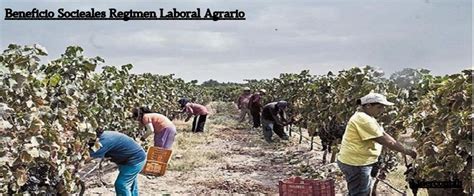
(231, 159)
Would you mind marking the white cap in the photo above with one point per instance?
(246, 89)
(262, 90)
(374, 98)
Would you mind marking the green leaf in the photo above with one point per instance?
(89, 66)
(40, 50)
(54, 80)
(29, 103)
(26, 157)
(21, 177)
(33, 152)
(127, 67)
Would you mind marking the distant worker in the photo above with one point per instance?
(126, 153)
(362, 143)
(274, 119)
(163, 129)
(243, 104)
(255, 106)
(198, 111)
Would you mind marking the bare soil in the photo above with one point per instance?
(242, 163)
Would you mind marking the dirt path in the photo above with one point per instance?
(230, 158)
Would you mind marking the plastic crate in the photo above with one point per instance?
(296, 186)
(157, 161)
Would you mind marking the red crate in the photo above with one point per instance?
(296, 186)
(157, 161)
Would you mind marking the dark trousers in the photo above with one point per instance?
(279, 130)
(198, 123)
(255, 118)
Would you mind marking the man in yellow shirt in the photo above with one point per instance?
(362, 144)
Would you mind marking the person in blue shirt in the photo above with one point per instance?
(127, 154)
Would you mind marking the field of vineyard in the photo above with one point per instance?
(48, 112)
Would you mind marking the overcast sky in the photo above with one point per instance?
(277, 36)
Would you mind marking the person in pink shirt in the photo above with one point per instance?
(197, 110)
(162, 127)
(243, 103)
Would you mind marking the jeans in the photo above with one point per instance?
(269, 127)
(357, 178)
(126, 183)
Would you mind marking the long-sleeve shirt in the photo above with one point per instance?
(254, 102)
(122, 149)
(243, 100)
(271, 112)
(195, 109)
